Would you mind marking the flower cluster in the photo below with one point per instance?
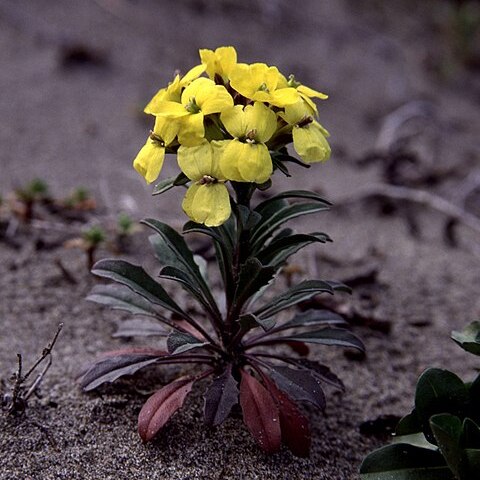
(224, 127)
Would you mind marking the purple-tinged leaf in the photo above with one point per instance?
(294, 425)
(114, 365)
(221, 396)
(326, 336)
(249, 321)
(260, 413)
(138, 280)
(139, 327)
(161, 406)
(303, 291)
(180, 342)
(300, 385)
(120, 297)
(319, 371)
(299, 347)
(313, 317)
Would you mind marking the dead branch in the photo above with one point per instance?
(422, 197)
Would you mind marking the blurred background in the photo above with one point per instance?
(75, 76)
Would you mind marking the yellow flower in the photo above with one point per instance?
(173, 92)
(219, 62)
(260, 82)
(202, 97)
(207, 200)
(149, 160)
(246, 158)
(309, 137)
(306, 93)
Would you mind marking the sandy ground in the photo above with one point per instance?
(81, 124)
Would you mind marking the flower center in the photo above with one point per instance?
(250, 136)
(263, 88)
(207, 180)
(156, 139)
(192, 106)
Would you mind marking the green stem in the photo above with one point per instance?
(244, 192)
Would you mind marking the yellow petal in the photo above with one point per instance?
(169, 109)
(245, 162)
(195, 87)
(221, 61)
(195, 162)
(310, 143)
(166, 128)
(296, 112)
(235, 121)
(214, 100)
(191, 131)
(284, 96)
(229, 160)
(149, 160)
(207, 204)
(192, 74)
(261, 119)
(248, 79)
(309, 92)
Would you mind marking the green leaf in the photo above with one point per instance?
(299, 385)
(249, 321)
(273, 202)
(249, 218)
(169, 183)
(313, 317)
(404, 462)
(118, 364)
(175, 253)
(471, 434)
(223, 249)
(469, 338)
(298, 293)
(277, 164)
(184, 279)
(319, 371)
(447, 430)
(180, 342)
(278, 251)
(283, 157)
(122, 298)
(253, 276)
(135, 278)
(439, 391)
(409, 424)
(269, 225)
(472, 468)
(325, 336)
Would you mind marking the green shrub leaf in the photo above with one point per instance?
(402, 461)
(469, 338)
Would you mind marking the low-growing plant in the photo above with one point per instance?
(230, 133)
(440, 439)
(32, 193)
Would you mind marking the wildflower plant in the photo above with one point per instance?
(440, 438)
(229, 125)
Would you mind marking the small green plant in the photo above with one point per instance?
(440, 439)
(34, 192)
(93, 238)
(80, 199)
(229, 132)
